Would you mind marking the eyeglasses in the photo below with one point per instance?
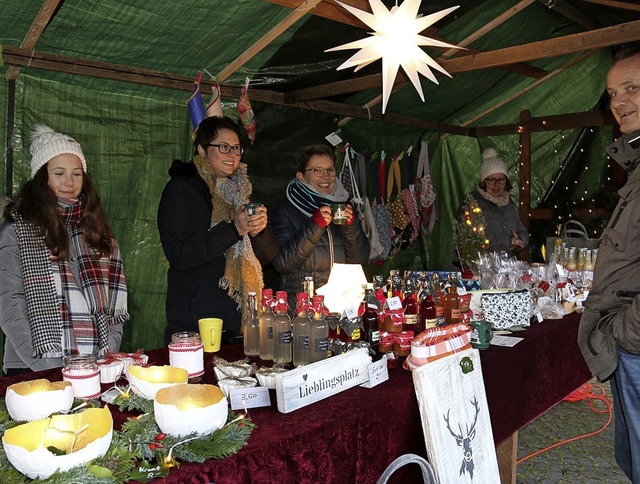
(226, 148)
(496, 181)
(322, 171)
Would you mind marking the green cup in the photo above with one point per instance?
(252, 207)
(339, 213)
(482, 334)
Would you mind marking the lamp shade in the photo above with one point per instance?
(344, 288)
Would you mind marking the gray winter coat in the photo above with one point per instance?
(612, 310)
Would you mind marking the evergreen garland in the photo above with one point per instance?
(140, 451)
(470, 238)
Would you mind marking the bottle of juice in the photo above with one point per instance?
(301, 327)
(265, 322)
(251, 329)
(282, 334)
(318, 331)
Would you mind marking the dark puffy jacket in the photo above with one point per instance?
(307, 249)
(196, 253)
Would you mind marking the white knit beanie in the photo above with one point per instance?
(46, 144)
(491, 164)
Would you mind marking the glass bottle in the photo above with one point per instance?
(588, 260)
(439, 297)
(410, 306)
(318, 331)
(427, 311)
(301, 327)
(251, 328)
(186, 351)
(282, 335)
(84, 375)
(265, 321)
(370, 320)
(452, 305)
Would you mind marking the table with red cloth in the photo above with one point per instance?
(354, 435)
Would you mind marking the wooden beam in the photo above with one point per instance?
(634, 7)
(375, 80)
(102, 70)
(267, 38)
(499, 20)
(572, 13)
(531, 86)
(331, 10)
(35, 31)
(16, 56)
(363, 113)
(569, 44)
(557, 122)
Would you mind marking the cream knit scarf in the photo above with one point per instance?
(501, 201)
(242, 272)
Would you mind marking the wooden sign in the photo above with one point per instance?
(311, 383)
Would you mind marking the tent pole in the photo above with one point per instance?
(11, 111)
(525, 176)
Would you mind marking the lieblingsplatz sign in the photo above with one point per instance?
(311, 383)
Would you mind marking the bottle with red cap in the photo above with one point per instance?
(282, 334)
(265, 321)
(318, 331)
(301, 327)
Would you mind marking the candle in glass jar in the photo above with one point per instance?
(186, 351)
(84, 375)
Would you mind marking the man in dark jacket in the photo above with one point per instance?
(309, 243)
(609, 335)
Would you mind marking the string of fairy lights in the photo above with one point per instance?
(584, 198)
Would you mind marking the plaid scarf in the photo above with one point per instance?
(55, 310)
(242, 270)
(307, 200)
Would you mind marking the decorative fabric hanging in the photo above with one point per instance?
(195, 105)
(424, 188)
(215, 103)
(245, 112)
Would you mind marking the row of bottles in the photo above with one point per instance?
(274, 336)
(271, 334)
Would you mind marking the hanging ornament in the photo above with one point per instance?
(396, 40)
(245, 112)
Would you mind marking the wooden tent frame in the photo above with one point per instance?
(315, 98)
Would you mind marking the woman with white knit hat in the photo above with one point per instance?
(503, 226)
(63, 289)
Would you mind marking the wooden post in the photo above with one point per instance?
(525, 176)
(507, 453)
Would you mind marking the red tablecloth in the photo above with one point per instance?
(353, 436)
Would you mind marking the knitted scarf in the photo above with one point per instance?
(242, 270)
(501, 201)
(307, 200)
(60, 324)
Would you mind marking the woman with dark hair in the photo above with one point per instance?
(63, 289)
(214, 246)
(309, 243)
(504, 229)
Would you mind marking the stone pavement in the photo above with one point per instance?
(588, 460)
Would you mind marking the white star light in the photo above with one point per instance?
(397, 42)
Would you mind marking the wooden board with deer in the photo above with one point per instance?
(455, 419)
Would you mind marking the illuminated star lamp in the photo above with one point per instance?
(344, 287)
(396, 40)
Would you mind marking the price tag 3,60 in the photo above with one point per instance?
(242, 398)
